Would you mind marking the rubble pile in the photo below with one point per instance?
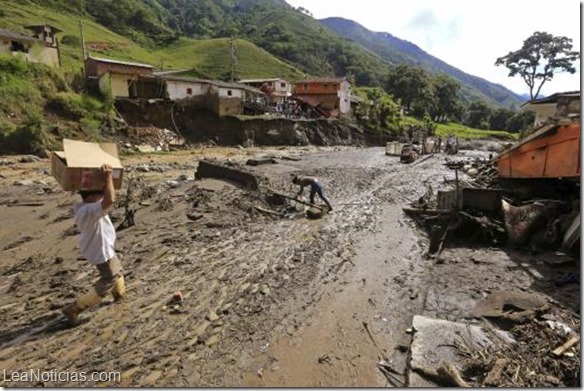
(545, 353)
(152, 139)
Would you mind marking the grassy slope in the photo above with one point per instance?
(465, 132)
(186, 53)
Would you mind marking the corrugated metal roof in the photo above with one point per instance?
(322, 80)
(107, 60)
(552, 98)
(218, 83)
(17, 36)
(260, 80)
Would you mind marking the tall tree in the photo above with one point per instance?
(408, 84)
(446, 91)
(541, 56)
(478, 115)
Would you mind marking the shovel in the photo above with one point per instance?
(295, 199)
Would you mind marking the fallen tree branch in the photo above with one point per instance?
(267, 211)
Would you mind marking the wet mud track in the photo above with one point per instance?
(266, 301)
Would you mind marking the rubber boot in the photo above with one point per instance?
(72, 311)
(119, 290)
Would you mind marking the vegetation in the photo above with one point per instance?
(31, 94)
(292, 35)
(540, 57)
(377, 112)
(194, 36)
(464, 132)
(397, 51)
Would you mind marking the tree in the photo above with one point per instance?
(446, 91)
(500, 118)
(408, 84)
(478, 115)
(539, 58)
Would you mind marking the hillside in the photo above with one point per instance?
(396, 51)
(210, 57)
(274, 39)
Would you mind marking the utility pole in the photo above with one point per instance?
(233, 59)
(82, 41)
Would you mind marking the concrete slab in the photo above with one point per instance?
(435, 342)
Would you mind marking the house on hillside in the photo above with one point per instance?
(329, 96)
(114, 76)
(41, 47)
(561, 104)
(219, 97)
(278, 90)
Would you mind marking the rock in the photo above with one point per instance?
(212, 316)
(5, 162)
(145, 148)
(177, 298)
(172, 184)
(212, 340)
(44, 154)
(30, 159)
(472, 172)
(24, 182)
(195, 216)
(265, 291)
(225, 309)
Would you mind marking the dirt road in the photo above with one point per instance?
(268, 301)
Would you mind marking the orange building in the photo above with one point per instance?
(551, 152)
(329, 95)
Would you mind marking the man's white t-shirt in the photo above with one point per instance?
(97, 233)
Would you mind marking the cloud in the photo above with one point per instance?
(431, 31)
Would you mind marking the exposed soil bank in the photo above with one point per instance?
(198, 125)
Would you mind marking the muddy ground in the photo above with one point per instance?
(268, 301)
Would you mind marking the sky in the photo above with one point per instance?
(469, 35)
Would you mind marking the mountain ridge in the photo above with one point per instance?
(396, 50)
(297, 43)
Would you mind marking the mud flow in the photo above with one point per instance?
(230, 284)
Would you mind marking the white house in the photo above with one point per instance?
(556, 105)
(276, 88)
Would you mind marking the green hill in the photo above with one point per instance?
(210, 57)
(192, 34)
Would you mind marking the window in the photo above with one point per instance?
(325, 85)
(229, 93)
(189, 91)
(18, 47)
(335, 86)
(305, 87)
(282, 85)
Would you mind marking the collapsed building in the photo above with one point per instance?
(527, 196)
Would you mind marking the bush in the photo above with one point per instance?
(71, 40)
(73, 105)
(30, 137)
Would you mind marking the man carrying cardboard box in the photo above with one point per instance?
(96, 242)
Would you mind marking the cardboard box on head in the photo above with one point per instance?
(78, 166)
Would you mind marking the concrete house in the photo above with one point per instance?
(41, 47)
(219, 97)
(330, 96)
(115, 76)
(277, 89)
(560, 104)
